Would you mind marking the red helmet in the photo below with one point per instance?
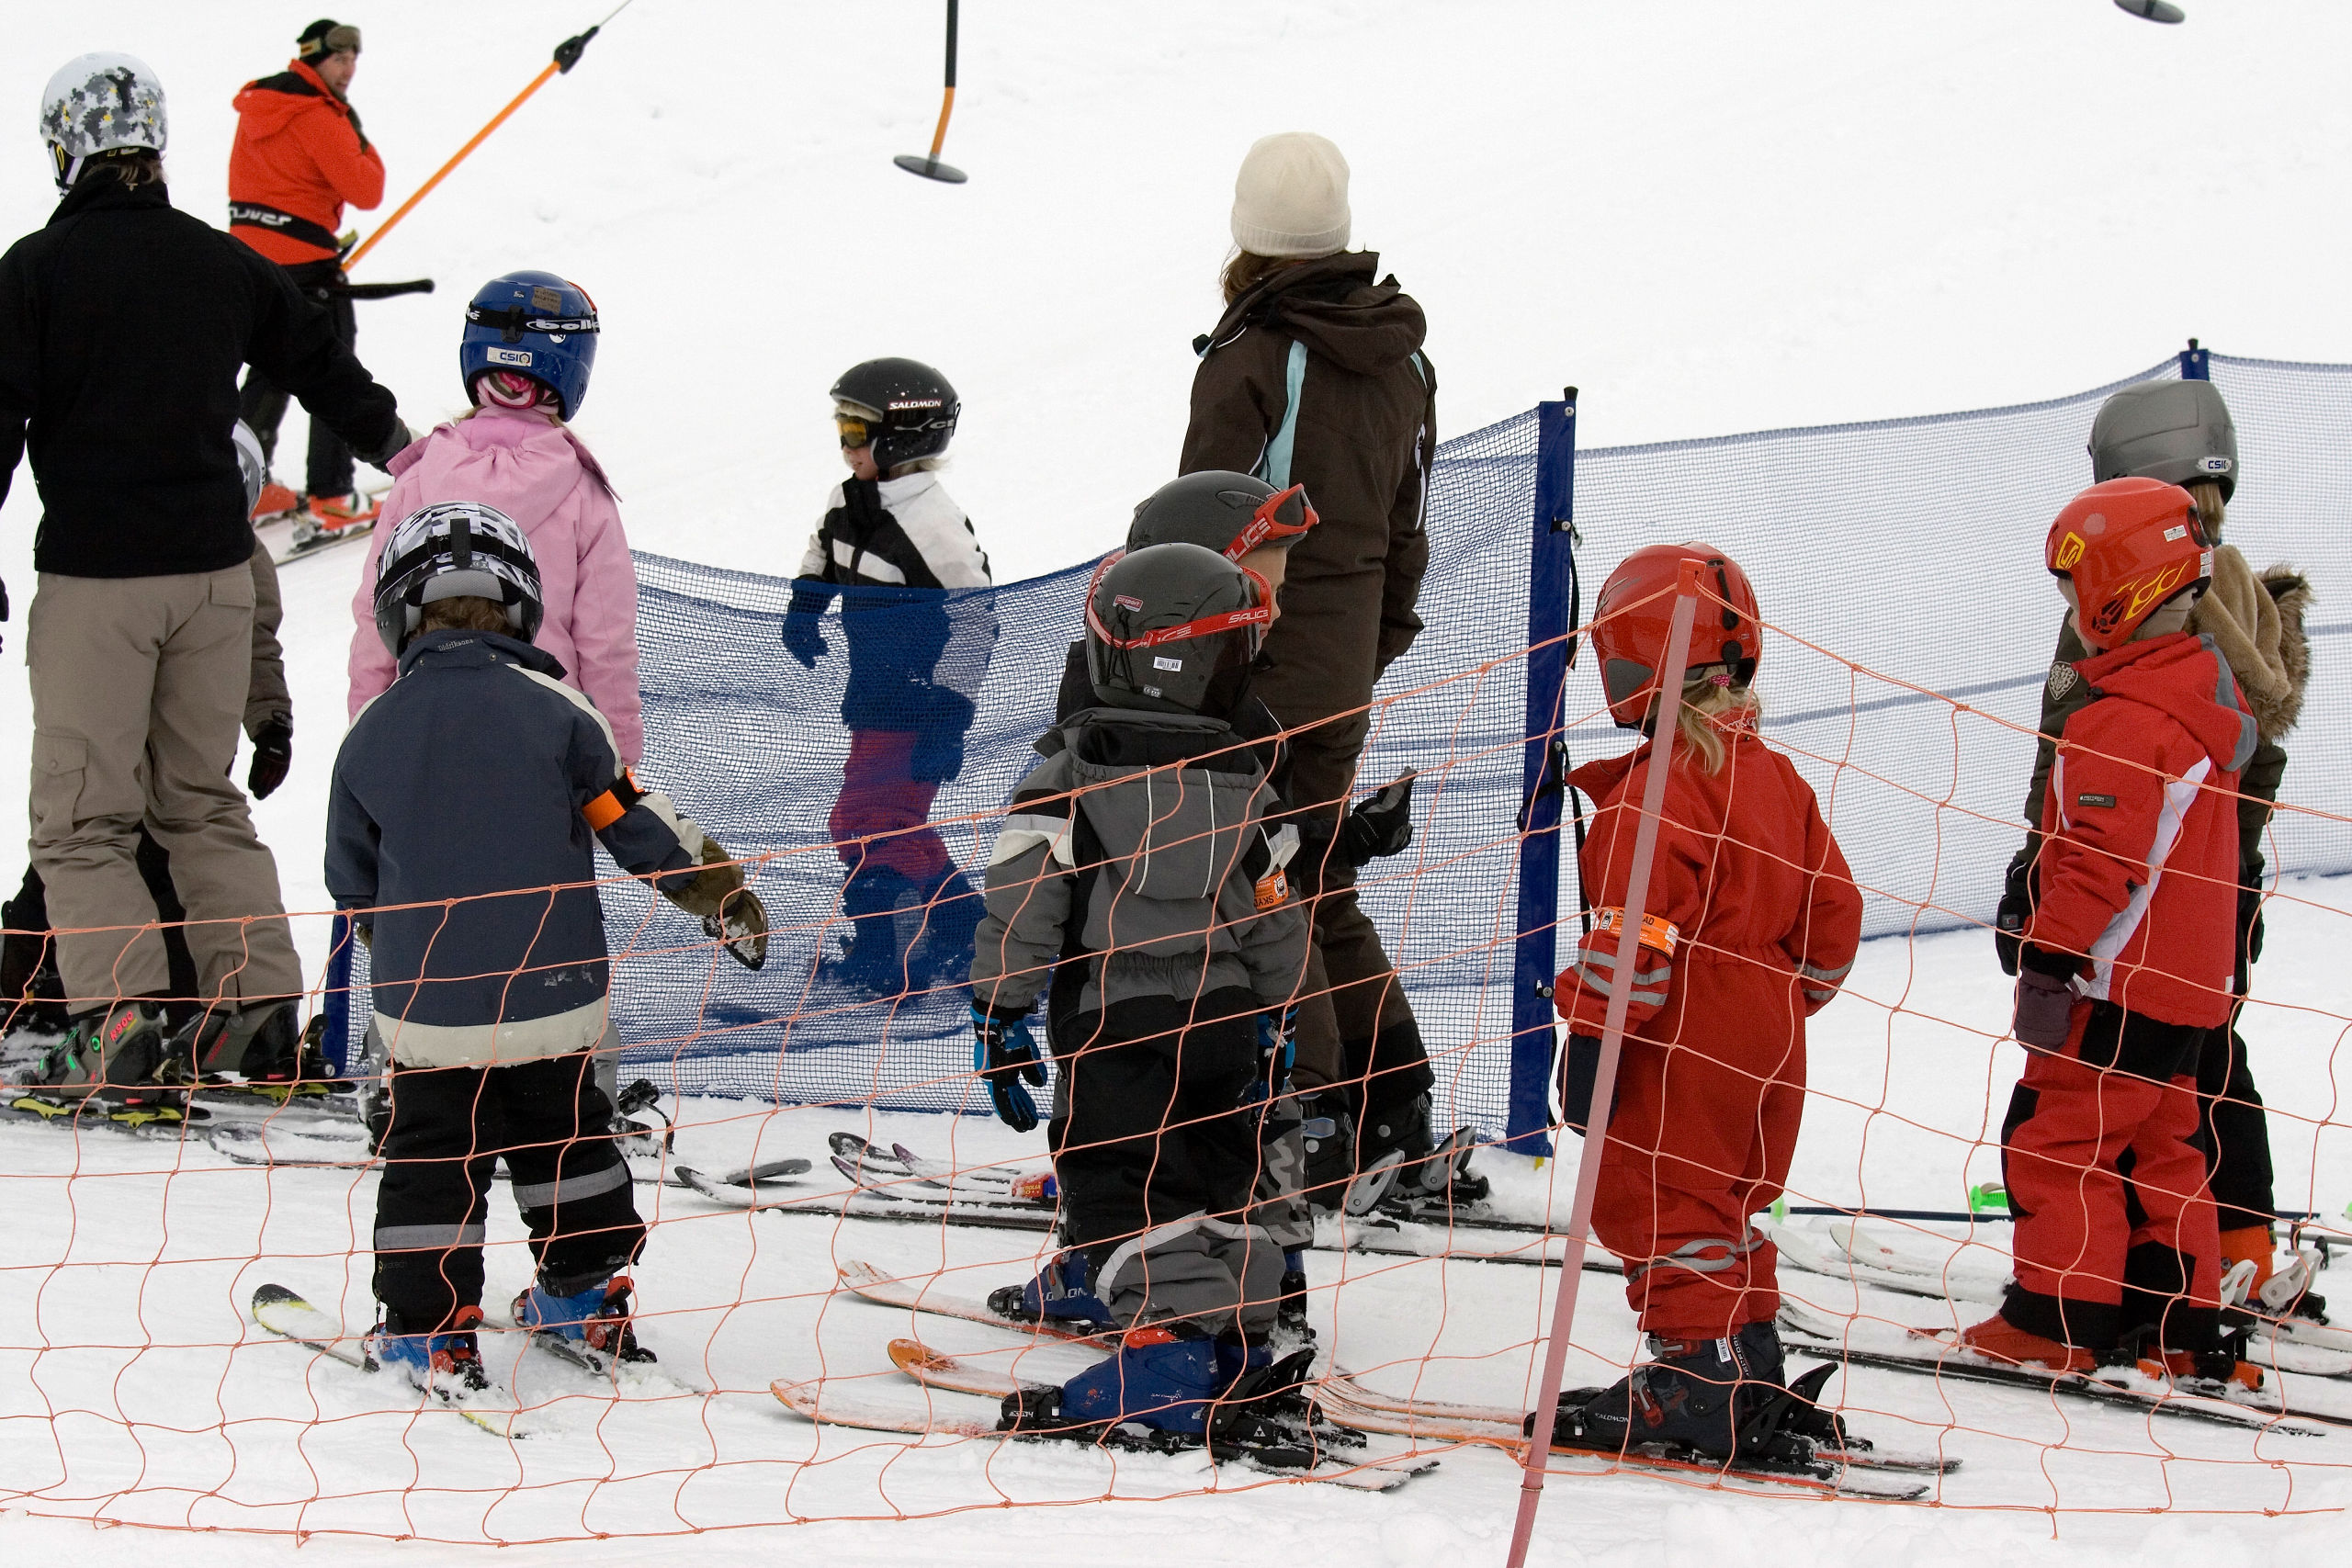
(2128, 544)
(1635, 611)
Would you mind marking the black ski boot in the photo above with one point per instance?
(1430, 1179)
(115, 1056)
(1721, 1398)
(1328, 1132)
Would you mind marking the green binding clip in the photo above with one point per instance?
(1990, 1197)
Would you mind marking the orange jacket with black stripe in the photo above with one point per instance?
(300, 155)
(1752, 917)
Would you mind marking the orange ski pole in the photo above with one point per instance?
(567, 55)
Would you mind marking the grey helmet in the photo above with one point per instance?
(250, 465)
(1222, 511)
(449, 550)
(2179, 432)
(1173, 629)
(98, 104)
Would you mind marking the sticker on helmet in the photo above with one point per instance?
(545, 299)
(1125, 603)
(2177, 531)
(1162, 661)
(2070, 550)
(509, 356)
(2215, 465)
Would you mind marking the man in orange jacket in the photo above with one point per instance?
(300, 155)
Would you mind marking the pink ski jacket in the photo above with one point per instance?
(539, 474)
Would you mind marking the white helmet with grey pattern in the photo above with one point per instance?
(97, 104)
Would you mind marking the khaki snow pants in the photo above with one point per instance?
(139, 684)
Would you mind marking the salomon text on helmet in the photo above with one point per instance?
(449, 550)
(97, 104)
(534, 324)
(1218, 510)
(2179, 432)
(1173, 629)
(2128, 546)
(1635, 612)
(902, 407)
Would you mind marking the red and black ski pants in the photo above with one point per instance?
(2115, 1228)
(450, 1126)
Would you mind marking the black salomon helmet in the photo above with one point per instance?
(903, 407)
(1222, 511)
(449, 550)
(2179, 432)
(1173, 629)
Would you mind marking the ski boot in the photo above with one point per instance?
(594, 1321)
(951, 915)
(1999, 1339)
(117, 1056)
(276, 500)
(1328, 1132)
(446, 1365)
(1164, 1379)
(1723, 1398)
(1290, 1308)
(1430, 1179)
(873, 964)
(1062, 1293)
(257, 1050)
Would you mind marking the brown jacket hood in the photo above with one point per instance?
(1333, 307)
(2257, 623)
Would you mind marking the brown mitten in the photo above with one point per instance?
(730, 913)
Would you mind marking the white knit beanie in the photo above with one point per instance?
(1291, 197)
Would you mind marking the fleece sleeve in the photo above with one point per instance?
(371, 664)
(294, 344)
(20, 364)
(639, 828)
(353, 837)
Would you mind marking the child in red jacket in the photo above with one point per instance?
(1750, 922)
(2128, 961)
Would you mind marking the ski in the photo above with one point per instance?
(829, 1403)
(641, 1380)
(169, 1123)
(1886, 1348)
(740, 1186)
(308, 539)
(287, 1314)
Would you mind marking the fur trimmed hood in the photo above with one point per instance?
(2257, 623)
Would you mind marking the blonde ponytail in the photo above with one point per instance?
(1709, 709)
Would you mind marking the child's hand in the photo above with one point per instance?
(1004, 1054)
(2045, 1011)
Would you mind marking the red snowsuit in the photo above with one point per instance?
(1753, 922)
(2137, 902)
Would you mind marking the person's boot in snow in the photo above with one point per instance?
(951, 914)
(596, 1318)
(447, 1364)
(1702, 1394)
(873, 964)
(1061, 1292)
(1429, 1176)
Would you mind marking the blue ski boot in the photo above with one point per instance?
(591, 1324)
(1722, 1398)
(1163, 1380)
(446, 1365)
(1062, 1293)
(873, 964)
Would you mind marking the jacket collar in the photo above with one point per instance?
(1347, 270)
(458, 649)
(2184, 677)
(102, 190)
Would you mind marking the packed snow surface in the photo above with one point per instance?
(1711, 217)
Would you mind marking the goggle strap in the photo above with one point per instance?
(1257, 615)
(1266, 522)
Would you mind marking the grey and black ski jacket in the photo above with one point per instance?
(1136, 864)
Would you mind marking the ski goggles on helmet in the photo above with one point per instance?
(342, 38)
(856, 429)
(513, 321)
(1254, 619)
(1278, 519)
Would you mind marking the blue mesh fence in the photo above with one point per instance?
(1909, 546)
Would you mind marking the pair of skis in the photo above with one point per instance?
(1343, 1401)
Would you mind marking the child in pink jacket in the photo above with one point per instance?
(529, 342)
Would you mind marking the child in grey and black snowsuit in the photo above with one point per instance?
(1136, 865)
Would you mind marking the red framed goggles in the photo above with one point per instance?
(1286, 514)
(1255, 618)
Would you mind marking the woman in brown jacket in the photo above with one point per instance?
(1315, 376)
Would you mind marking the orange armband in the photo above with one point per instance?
(1656, 930)
(613, 805)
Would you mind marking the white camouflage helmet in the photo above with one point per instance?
(451, 550)
(97, 104)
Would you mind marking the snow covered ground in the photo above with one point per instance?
(1711, 217)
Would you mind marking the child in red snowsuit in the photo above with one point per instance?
(2128, 960)
(1750, 924)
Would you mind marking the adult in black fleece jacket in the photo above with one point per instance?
(123, 326)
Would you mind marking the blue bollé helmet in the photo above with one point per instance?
(535, 324)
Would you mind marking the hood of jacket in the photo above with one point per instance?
(2185, 677)
(450, 647)
(266, 106)
(1333, 307)
(515, 459)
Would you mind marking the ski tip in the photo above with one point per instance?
(776, 1167)
(854, 1273)
(848, 1146)
(906, 1355)
(276, 1295)
(800, 1398)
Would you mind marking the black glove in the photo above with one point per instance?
(2045, 1002)
(803, 637)
(394, 444)
(273, 754)
(1380, 826)
(1004, 1054)
(2015, 907)
(2249, 899)
(1580, 1066)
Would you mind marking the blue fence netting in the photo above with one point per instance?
(1905, 546)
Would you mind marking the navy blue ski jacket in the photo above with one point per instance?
(477, 773)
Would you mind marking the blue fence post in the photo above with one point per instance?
(2196, 364)
(334, 1003)
(1551, 616)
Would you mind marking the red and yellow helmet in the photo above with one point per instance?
(2128, 544)
(1635, 611)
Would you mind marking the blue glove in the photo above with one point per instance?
(804, 638)
(1004, 1052)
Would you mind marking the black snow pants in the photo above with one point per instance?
(2236, 1130)
(449, 1127)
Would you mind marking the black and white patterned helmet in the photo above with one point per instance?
(98, 104)
(449, 550)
